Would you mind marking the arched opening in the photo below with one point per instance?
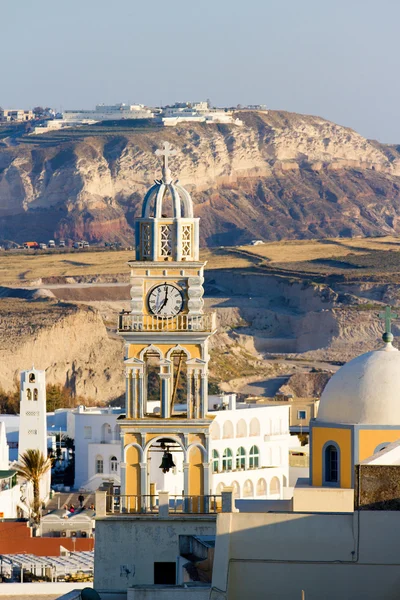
(241, 458)
(117, 431)
(168, 453)
(113, 464)
(241, 429)
(99, 464)
(254, 457)
(196, 469)
(32, 378)
(261, 487)
(152, 385)
(215, 431)
(215, 461)
(275, 486)
(106, 433)
(236, 489)
(248, 489)
(331, 461)
(28, 394)
(179, 380)
(35, 394)
(254, 427)
(227, 431)
(227, 460)
(220, 487)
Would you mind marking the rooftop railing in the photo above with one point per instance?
(117, 504)
(128, 322)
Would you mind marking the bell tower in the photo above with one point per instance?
(166, 337)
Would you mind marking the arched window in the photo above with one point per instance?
(113, 464)
(275, 486)
(241, 429)
(227, 431)
(248, 489)
(215, 461)
(261, 487)
(331, 464)
(32, 378)
(215, 431)
(99, 464)
(227, 460)
(35, 394)
(381, 447)
(254, 427)
(254, 457)
(241, 458)
(29, 394)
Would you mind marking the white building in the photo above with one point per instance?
(250, 451)
(197, 112)
(97, 446)
(9, 488)
(111, 112)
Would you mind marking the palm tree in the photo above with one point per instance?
(32, 466)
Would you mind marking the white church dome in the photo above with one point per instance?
(365, 390)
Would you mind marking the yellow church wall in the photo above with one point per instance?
(132, 438)
(132, 472)
(369, 439)
(135, 349)
(196, 438)
(342, 437)
(196, 480)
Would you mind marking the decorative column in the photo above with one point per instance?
(141, 399)
(134, 411)
(203, 394)
(185, 479)
(197, 394)
(143, 486)
(190, 407)
(128, 393)
(206, 475)
(122, 474)
(165, 395)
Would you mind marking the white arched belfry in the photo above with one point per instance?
(166, 335)
(165, 237)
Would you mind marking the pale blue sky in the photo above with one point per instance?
(335, 58)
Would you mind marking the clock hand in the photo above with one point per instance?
(165, 299)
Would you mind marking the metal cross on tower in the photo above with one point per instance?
(388, 316)
(165, 154)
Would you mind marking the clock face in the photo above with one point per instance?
(165, 300)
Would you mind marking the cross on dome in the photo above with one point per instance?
(388, 316)
(166, 153)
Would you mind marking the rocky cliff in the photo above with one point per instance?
(280, 175)
(69, 341)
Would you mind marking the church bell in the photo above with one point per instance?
(167, 462)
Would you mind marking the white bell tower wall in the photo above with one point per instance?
(33, 422)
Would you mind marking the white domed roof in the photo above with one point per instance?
(365, 390)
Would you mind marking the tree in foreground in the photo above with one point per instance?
(32, 466)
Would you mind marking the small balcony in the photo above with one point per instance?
(202, 323)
